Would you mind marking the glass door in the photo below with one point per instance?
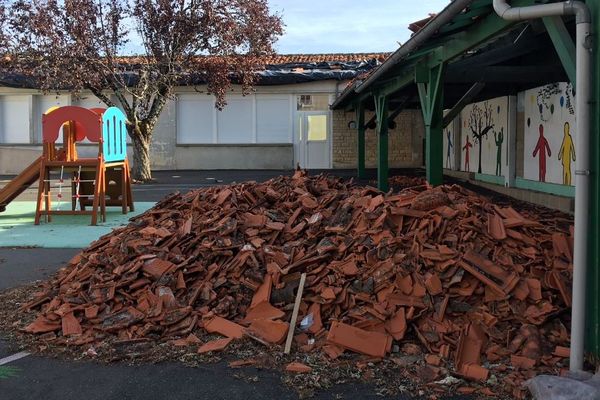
(313, 140)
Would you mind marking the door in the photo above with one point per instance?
(313, 140)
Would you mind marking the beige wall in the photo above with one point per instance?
(405, 141)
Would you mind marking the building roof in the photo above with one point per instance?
(278, 69)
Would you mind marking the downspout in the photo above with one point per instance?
(582, 165)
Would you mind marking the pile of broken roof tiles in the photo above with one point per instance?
(480, 287)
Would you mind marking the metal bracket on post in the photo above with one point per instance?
(430, 83)
(381, 111)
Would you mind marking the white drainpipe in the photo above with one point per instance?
(582, 165)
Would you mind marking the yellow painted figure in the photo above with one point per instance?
(566, 154)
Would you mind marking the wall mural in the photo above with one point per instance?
(549, 134)
(484, 137)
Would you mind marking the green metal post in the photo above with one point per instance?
(430, 83)
(381, 110)
(563, 43)
(593, 292)
(360, 122)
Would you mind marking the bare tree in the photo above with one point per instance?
(481, 122)
(78, 45)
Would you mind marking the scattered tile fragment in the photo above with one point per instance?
(298, 368)
(215, 345)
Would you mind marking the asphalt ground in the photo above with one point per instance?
(34, 377)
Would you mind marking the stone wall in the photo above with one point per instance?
(405, 141)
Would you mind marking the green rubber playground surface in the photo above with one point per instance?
(65, 231)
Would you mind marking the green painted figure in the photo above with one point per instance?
(499, 139)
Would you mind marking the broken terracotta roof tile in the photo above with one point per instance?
(224, 327)
(242, 363)
(563, 352)
(434, 285)
(494, 276)
(268, 331)
(188, 341)
(315, 311)
(522, 362)
(42, 325)
(370, 343)
(263, 294)
(333, 351)
(263, 310)
(396, 326)
(70, 325)
(496, 227)
(420, 267)
(298, 368)
(215, 345)
(157, 267)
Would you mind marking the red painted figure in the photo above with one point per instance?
(541, 147)
(466, 148)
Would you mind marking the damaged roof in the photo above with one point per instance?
(279, 69)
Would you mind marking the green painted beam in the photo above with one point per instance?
(381, 109)
(360, 122)
(430, 84)
(545, 187)
(493, 179)
(462, 103)
(563, 43)
(593, 278)
(444, 50)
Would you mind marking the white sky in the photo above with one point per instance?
(348, 26)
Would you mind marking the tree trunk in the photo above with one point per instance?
(141, 154)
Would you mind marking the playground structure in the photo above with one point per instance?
(97, 182)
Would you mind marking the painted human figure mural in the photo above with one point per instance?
(450, 147)
(566, 154)
(541, 148)
(467, 148)
(550, 133)
(499, 139)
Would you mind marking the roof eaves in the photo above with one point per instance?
(451, 10)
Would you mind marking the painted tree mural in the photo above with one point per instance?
(481, 121)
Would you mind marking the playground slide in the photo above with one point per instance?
(18, 185)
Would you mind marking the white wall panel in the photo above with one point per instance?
(272, 119)
(14, 119)
(195, 119)
(88, 101)
(234, 123)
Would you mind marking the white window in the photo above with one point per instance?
(195, 118)
(312, 102)
(234, 123)
(272, 119)
(14, 119)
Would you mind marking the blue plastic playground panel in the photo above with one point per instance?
(114, 135)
